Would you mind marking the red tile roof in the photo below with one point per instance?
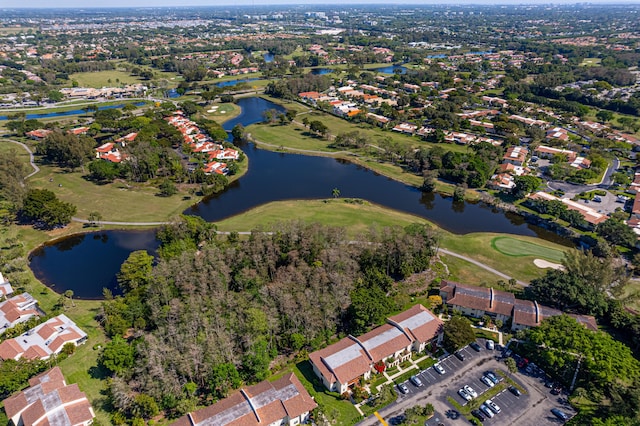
(343, 361)
(419, 322)
(261, 404)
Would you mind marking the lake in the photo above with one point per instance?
(86, 264)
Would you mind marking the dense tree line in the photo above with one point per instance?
(585, 287)
(66, 149)
(12, 187)
(290, 87)
(214, 311)
(608, 374)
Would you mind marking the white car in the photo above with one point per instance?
(487, 381)
(468, 389)
(494, 407)
(487, 411)
(490, 345)
(464, 395)
(439, 368)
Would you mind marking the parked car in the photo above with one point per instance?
(494, 407)
(439, 368)
(468, 389)
(416, 381)
(557, 390)
(514, 390)
(560, 414)
(464, 395)
(487, 381)
(490, 345)
(478, 415)
(597, 199)
(486, 411)
(403, 388)
(491, 375)
(476, 347)
(459, 355)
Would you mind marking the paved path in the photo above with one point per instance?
(482, 265)
(36, 169)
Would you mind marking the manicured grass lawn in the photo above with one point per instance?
(424, 364)
(479, 247)
(590, 62)
(289, 136)
(465, 272)
(357, 218)
(221, 112)
(116, 201)
(100, 79)
(518, 248)
(338, 411)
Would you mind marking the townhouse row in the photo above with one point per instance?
(501, 305)
(342, 365)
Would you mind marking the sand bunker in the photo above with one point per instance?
(541, 263)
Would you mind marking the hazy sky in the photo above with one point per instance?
(158, 3)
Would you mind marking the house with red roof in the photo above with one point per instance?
(343, 364)
(38, 134)
(216, 167)
(43, 341)
(500, 305)
(79, 130)
(16, 310)
(49, 401)
(282, 402)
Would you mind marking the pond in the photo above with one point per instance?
(321, 71)
(86, 265)
(392, 69)
(70, 112)
(229, 83)
(268, 57)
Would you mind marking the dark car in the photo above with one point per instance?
(514, 390)
(560, 414)
(476, 347)
(557, 390)
(478, 415)
(459, 355)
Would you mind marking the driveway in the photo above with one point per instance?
(571, 188)
(530, 409)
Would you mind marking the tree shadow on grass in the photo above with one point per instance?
(99, 372)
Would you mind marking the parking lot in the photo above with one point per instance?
(532, 408)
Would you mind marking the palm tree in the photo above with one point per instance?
(335, 192)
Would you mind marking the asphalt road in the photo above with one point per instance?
(572, 188)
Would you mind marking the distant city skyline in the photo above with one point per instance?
(45, 4)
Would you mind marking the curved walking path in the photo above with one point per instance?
(36, 169)
(481, 265)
